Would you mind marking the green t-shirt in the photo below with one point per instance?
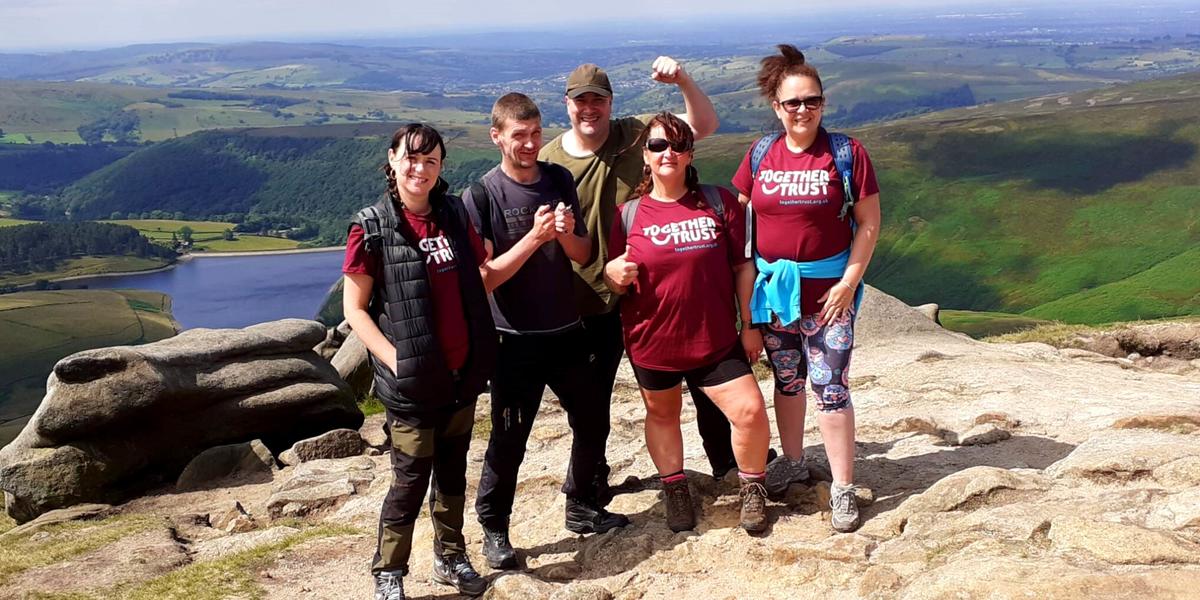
(604, 180)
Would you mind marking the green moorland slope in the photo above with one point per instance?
(38, 329)
(1005, 207)
(1082, 207)
(318, 174)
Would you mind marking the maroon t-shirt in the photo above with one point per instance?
(796, 198)
(450, 322)
(681, 313)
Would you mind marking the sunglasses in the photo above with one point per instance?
(660, 145)
(792, 105)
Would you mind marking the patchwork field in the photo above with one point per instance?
(207, 235)
(37, 329)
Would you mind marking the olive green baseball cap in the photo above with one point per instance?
(588, 78)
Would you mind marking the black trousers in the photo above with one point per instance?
(526, 366)
(425, 444)
(607, 345)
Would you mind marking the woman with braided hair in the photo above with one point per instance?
(415, 297)
(812, 242)
(679, 266)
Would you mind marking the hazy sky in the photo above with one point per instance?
(56, 24)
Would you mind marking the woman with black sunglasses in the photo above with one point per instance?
(809, 229)
(680, 262)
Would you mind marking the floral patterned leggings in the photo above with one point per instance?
(819, 353)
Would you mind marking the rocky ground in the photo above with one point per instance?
(990, 471)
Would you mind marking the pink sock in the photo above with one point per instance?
(745, 475)
(673, 478)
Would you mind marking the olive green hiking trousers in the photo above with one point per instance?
(424, 446)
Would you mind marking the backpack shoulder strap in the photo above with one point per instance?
(843, 160)
(757, 155)
(368, 218)
(628, 212)
(712, 197)
(483, 207)
(760, 151)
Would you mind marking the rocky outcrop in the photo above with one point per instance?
(115, 420)
(231, 461)
(986, 471)
(339, 443)
(319, 485)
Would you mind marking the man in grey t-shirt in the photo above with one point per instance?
(527, 213)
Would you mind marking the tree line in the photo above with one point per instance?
(43, 246)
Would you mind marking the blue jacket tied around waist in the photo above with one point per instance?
(777, 286)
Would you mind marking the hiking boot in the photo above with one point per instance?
(389, 585)
(586, 518)
(681, 516)
(783, 472)
(844, 505)
(498, 550)
(457, 571)
(754, 504)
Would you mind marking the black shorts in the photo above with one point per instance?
(723, 370)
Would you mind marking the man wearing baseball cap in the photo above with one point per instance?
(599, 152)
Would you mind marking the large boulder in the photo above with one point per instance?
(116, 420)
(353, 364)
(232, 461)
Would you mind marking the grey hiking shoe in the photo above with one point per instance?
(783, 472)
(681, 516)
(754, 505)
(456, 570)
(389, 585)
(844, 505)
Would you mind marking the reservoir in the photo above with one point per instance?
(235, 291)
(206, 291)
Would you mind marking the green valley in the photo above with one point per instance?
(39, 328)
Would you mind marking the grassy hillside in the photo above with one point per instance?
(37, 329)
(84, 266)
(1079, 207)
(1007, 207)
(38, 111)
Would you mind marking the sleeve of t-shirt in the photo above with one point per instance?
(743, 179)
(864, 172)
(480, 227)
(358, 260)
(616, 235)
(735, 227)
(631, 128)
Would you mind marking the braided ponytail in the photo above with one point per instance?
(390, 175)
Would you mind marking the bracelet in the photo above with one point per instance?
(848, 286)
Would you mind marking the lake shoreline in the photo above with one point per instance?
(190, 256)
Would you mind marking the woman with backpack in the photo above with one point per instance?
(414, 296)
(679, 264)
(814, 210)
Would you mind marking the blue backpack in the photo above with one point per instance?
(843, 161)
